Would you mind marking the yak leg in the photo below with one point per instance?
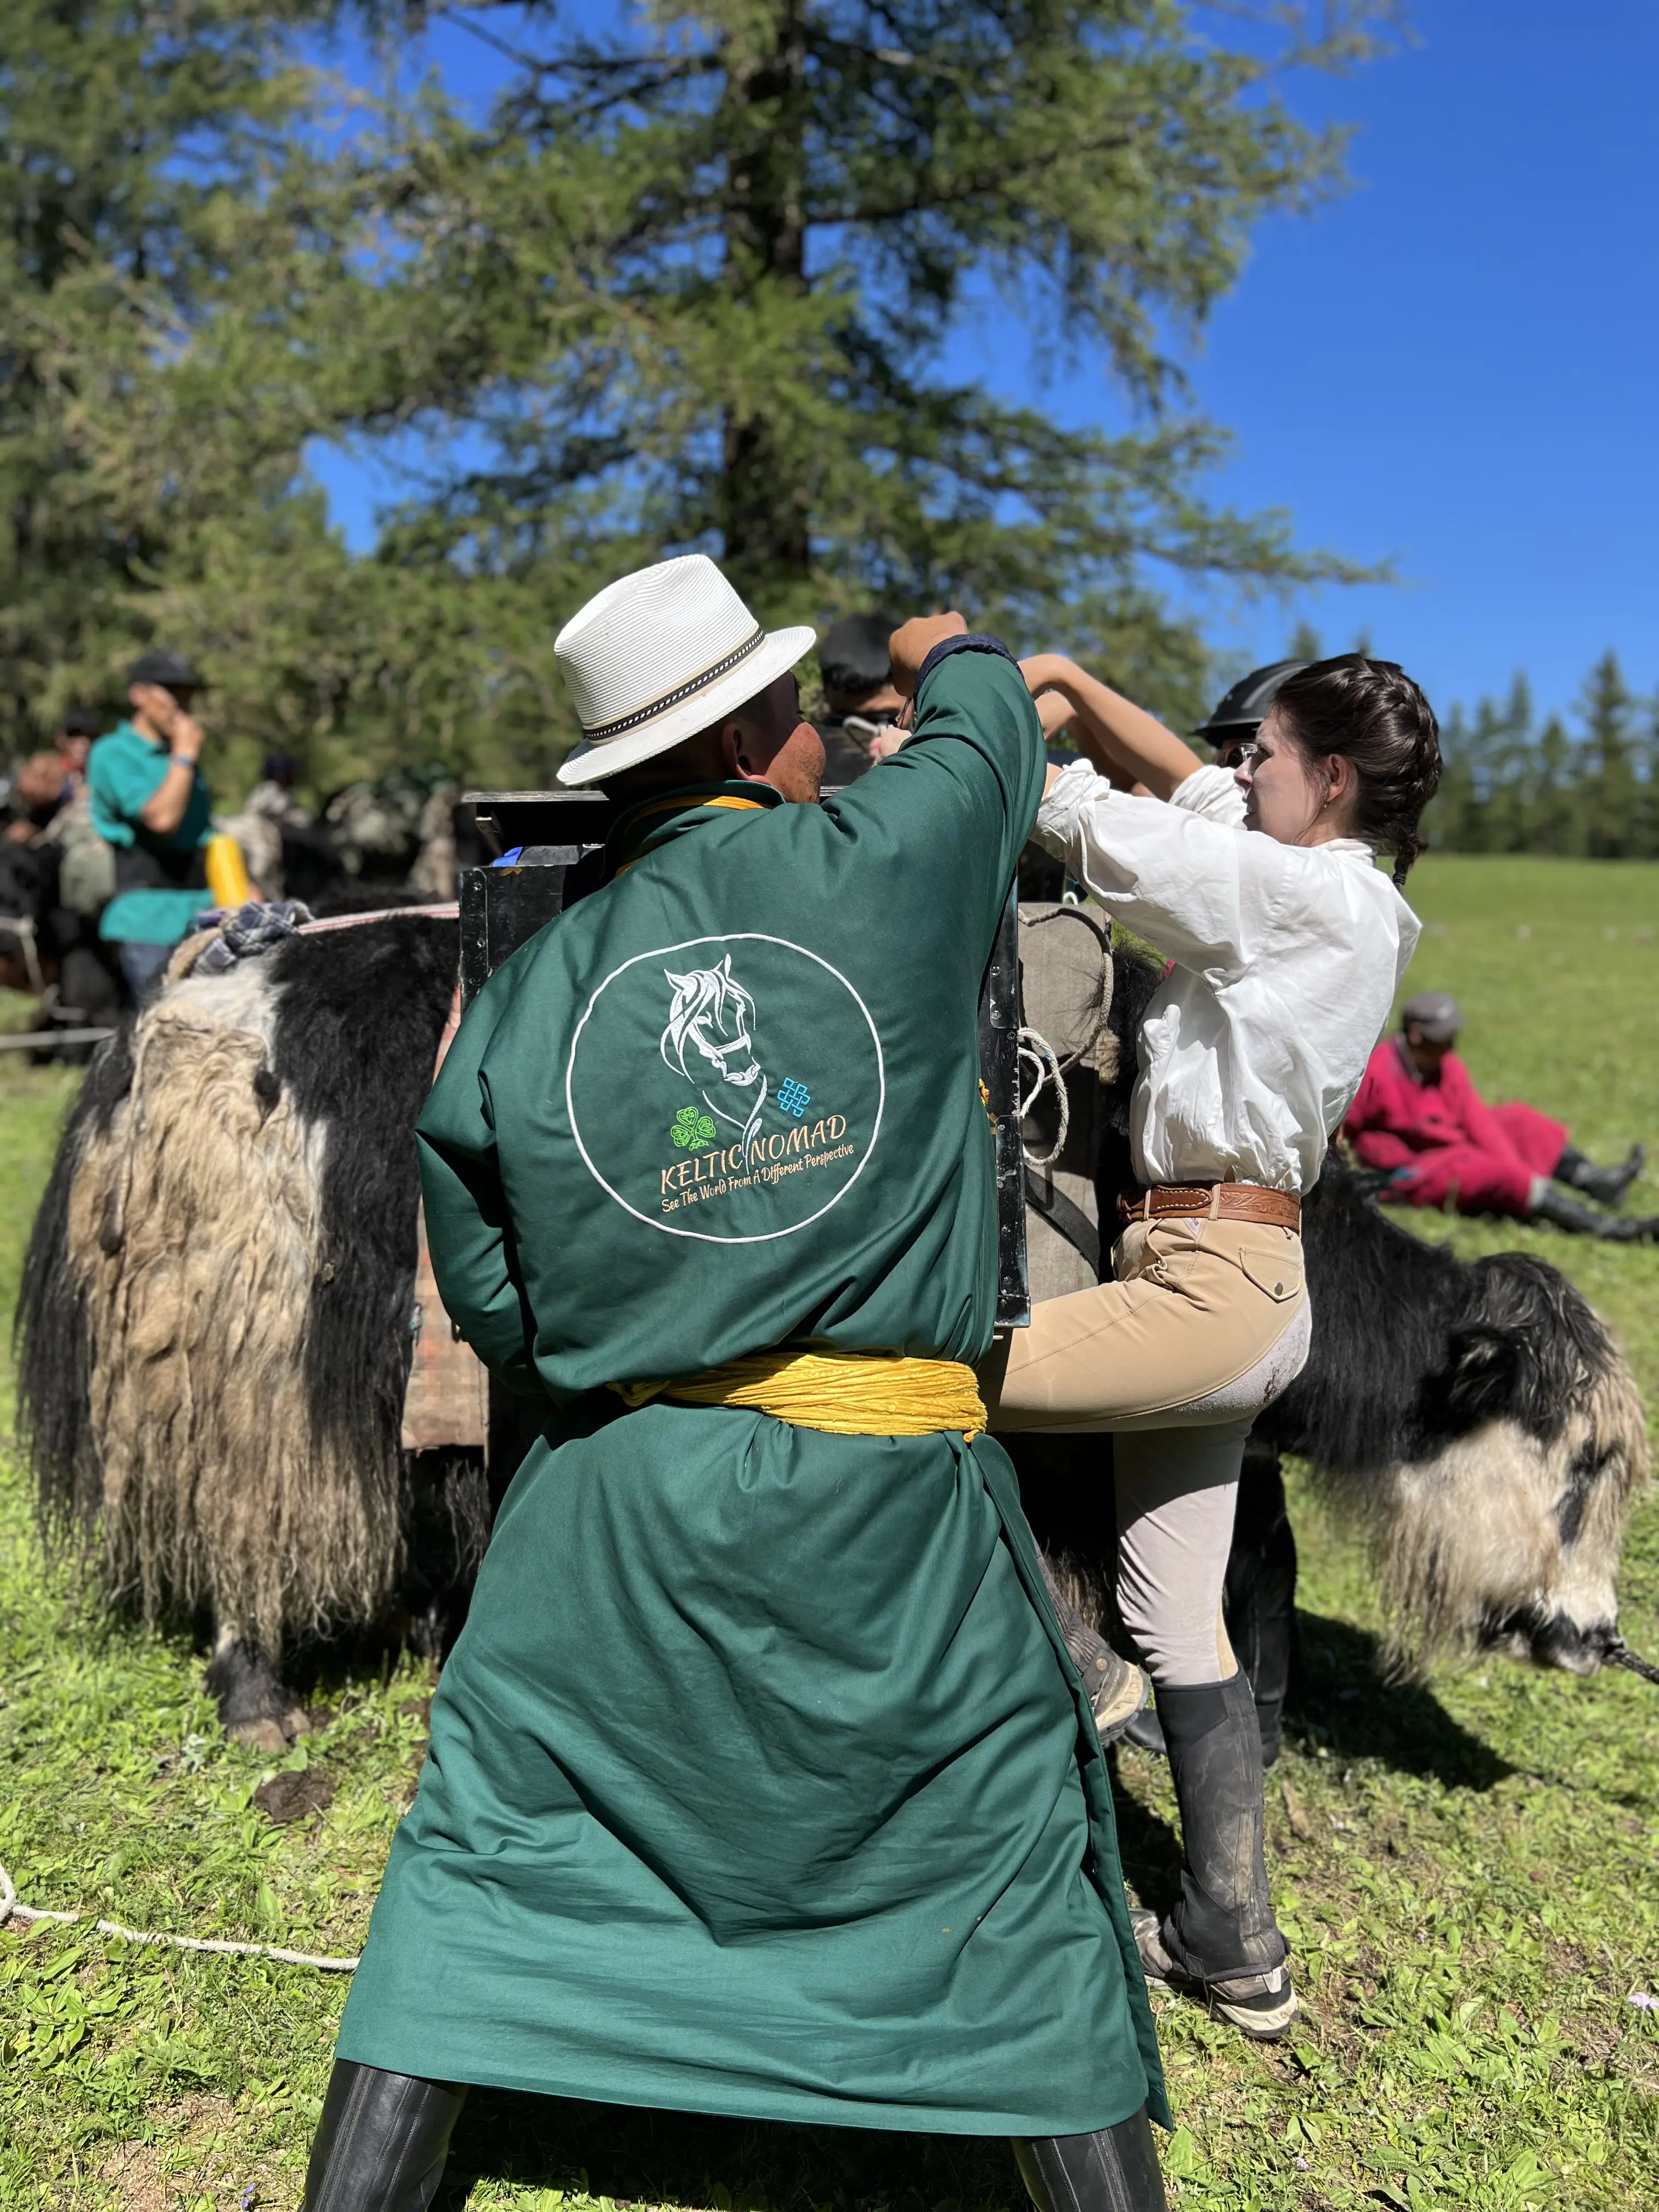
(255, 1705)
(1259, 1600)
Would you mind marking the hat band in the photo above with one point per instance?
(681, 692)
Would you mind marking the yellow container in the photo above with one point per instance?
(226, 872)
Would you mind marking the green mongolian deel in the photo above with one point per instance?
(760, 1782)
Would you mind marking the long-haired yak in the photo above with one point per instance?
(220, 1309)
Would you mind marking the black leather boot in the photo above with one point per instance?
(1607, 1186)
(1221, 1943)
(1115, 2170)
(1563, 1213)
(382, 2141)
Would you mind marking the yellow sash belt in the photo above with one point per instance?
(845, 1394)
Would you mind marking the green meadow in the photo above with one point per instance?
(1467, 1867)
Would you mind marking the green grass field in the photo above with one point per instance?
(1468, 1869)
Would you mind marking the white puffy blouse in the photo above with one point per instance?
(1286, 959)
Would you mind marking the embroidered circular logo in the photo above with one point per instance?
(729, 1088)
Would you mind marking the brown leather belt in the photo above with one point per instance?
(1216, 1202)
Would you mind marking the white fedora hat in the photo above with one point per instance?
(659, 655)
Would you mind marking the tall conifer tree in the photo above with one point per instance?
(1615, 802)
(697, 273)
(692, 282)
(144, 154)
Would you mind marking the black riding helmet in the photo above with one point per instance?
(1241, 712)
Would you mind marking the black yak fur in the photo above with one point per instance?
(213, 1335)
(51, 1337)
(357, 1343)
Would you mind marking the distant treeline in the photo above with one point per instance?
(1589, 788)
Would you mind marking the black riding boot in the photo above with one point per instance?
(1606, 1185)
(381, 2141)
(1563, 1213)
(1221, 1941)
(1115, 2170)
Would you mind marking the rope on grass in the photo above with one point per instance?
(11, 1910)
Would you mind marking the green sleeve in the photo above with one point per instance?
(977, 701)
(467, 1225)
(960, 798)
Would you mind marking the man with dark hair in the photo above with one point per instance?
(860, 693)
(74, 737)
(152, 802)
(1419, 1119)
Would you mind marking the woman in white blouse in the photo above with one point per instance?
(1287, 944)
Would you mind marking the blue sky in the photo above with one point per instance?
(1453, 367)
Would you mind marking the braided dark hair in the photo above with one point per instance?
(1370, 712)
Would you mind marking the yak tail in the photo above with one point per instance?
(51, 1334)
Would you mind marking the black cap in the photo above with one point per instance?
(79, 723)
(1245, 707)
(1435, 1013)
(852, 658)
(170, 670)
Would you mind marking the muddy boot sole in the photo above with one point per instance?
(1123, 1693)
(1263, 2007)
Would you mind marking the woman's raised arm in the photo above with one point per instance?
(1122, 738)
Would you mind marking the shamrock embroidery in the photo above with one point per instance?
(691, 1130)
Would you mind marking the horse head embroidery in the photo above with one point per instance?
(710, 1023)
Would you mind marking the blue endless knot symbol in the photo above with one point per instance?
(794, 1097)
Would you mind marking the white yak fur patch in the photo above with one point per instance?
(195, 1222)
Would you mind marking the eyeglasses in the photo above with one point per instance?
(1251, 752)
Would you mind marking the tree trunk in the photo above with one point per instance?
(764, 513)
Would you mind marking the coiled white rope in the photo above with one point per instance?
(11, 1910)
(1036, 1048)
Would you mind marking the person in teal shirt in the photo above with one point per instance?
(151, 802)
(760, 1782)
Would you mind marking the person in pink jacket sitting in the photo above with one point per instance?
(1419, 1119)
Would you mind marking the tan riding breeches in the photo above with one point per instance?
(1206, 1323)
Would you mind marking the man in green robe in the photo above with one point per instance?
(759, 1783)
